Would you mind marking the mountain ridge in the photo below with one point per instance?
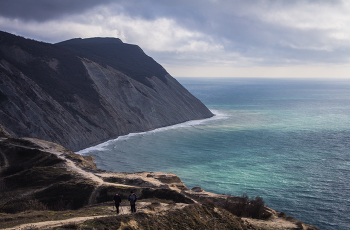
(122, 56)
(81, 95)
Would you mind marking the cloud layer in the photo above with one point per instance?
(185, 34)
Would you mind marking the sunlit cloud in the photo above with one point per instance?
(200, 33)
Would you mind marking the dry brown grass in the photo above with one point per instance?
(34, 216)
(194, 216)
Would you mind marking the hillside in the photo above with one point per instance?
(82, 92)
(46, 186)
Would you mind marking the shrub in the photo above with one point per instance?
(282, 214)
(247, 207)
(35, 205)
(61, 205)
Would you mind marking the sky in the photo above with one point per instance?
(203, 38)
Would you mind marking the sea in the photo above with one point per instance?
(285, 140)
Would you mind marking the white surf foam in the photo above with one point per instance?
(103, 146)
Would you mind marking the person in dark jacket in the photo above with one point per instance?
(132, 199)
(117, 201)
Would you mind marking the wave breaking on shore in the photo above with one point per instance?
(218, 115)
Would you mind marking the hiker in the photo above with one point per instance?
(117, 201)
(132, 199)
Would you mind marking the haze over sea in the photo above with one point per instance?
(287, 141)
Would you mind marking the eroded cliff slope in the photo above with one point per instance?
(84, 91)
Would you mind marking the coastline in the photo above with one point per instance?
(158, 192)
(100, 147)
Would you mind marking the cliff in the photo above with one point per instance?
(44, 186)
(82, 92)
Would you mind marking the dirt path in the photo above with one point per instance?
(59, 151)
(98, 178)
(71, 166)
(55, 223)
(124, 209)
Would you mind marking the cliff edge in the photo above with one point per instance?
(82, 92)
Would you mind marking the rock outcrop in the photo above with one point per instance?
(82, 92)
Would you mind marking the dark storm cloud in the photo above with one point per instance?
(239, 25)
(42, 10)
(268, 32)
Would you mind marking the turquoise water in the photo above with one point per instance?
(285, 140)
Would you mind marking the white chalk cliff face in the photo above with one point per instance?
(85, 91)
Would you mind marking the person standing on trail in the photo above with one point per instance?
(117, 201)
(132, 199)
